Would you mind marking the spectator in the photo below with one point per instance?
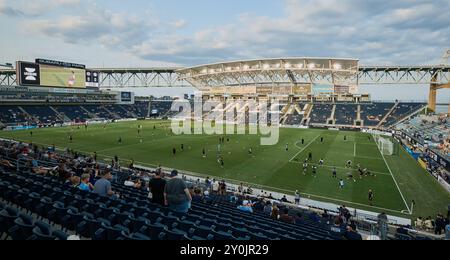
(75, 181)
(102, 187)
(85, 184)
(297, 197)
(246, 206)
(222, 188)
(285, 217)
(419, 224)
(215, 187)
(176, 194)
(439, 225)
(284, 199)
(129, 182)
(275, 211)
(383, 226)
(241, 189)
(157, 186)
(351, 234)
(428, 224)
(268, 208)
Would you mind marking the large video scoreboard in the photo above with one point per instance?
(56, 74)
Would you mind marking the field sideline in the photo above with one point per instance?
(397, 180)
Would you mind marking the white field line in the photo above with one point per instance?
(395, 181)
(303, 149)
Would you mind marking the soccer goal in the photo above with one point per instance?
(385, 144)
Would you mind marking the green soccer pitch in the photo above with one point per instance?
(397, 180)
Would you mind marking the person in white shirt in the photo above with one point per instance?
(216, 187)
(129, 183)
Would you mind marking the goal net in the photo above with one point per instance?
(385, 145)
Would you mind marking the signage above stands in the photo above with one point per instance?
(60, 64)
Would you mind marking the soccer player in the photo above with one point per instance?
(321, 162)
(314, 171)
(139, 131)
(287, 147)
(341, 184)
(310, 156)
(31, 133)
(86, 126)
(120, 140)
(361, 173)
(370, 197)
(334, 172)
(345, 138)
(305, 168)
(71, 80)
(204, 152)
(321, 139)
(250, 151)
(349, 164)
(182, 147)
(70, 138)
(174, 151)
(303, 141)
(350, 176)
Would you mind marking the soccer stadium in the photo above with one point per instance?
(284, 148)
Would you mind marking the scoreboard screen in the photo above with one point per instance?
(56, 74)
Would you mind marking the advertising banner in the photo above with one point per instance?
(28, 74)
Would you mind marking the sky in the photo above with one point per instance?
(138, 33)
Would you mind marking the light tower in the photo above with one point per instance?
(446, 57)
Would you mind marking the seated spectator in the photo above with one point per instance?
(268, 208)
(351, 234)
(284, 199)
(75, 181)
(275, 211)
(246, 206)
(129, 182)
(102, 187)
(85, 184)
(285, 217)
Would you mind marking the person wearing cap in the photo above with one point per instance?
(176, 194)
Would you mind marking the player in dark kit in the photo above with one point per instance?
(334, 172)
(370, 197)
(321, 139)
(174, 151)
(71, 138)
(182, 147)
(310, 156)
(204, 153)
(303, 141)
(31, 133)
(120, 140)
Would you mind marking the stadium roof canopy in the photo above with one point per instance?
(282, 71)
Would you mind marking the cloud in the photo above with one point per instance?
(24, 8)
(375, 31)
